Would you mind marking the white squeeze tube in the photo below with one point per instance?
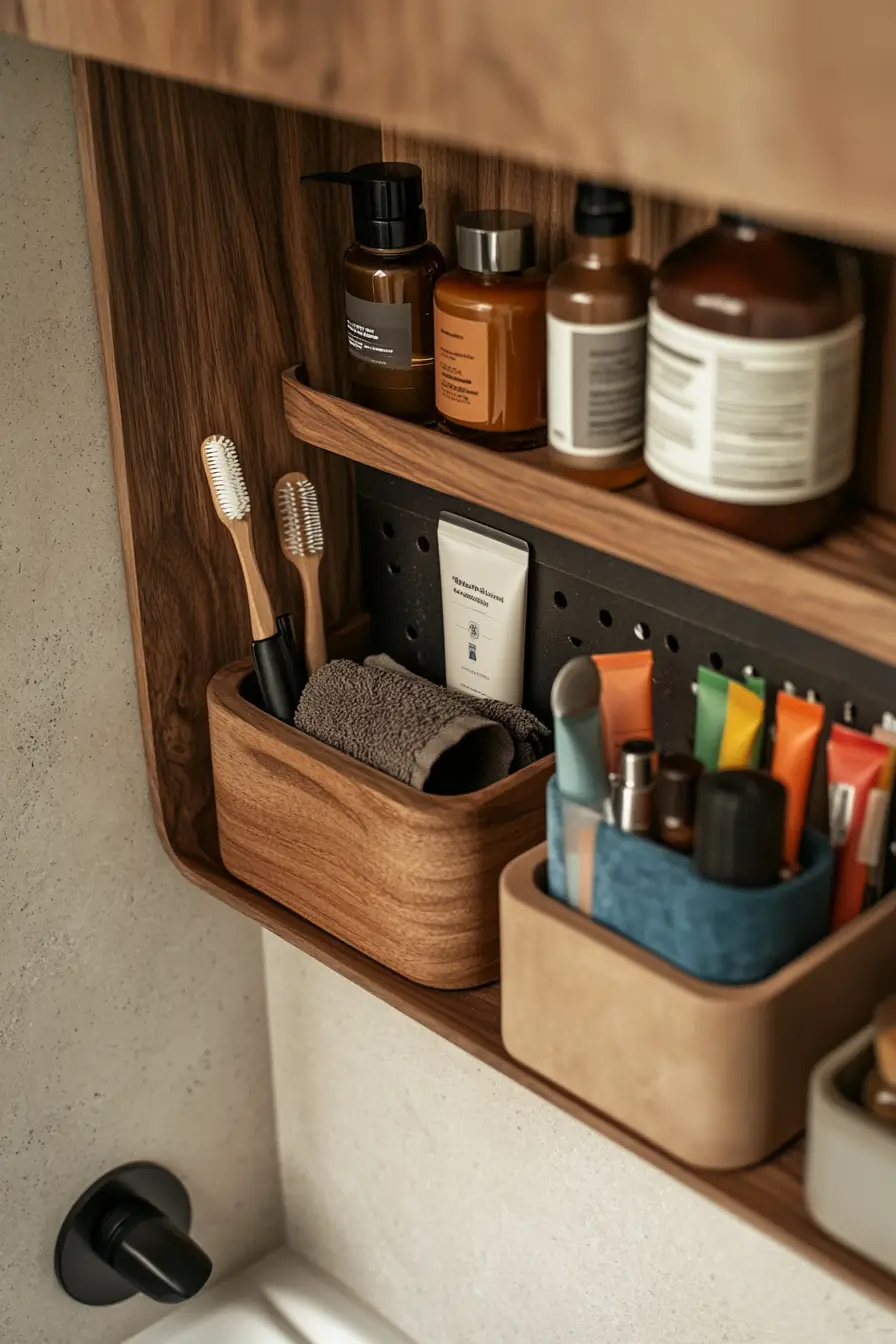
(485, 576)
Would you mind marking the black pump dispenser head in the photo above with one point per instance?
(387, 203)
(602, 212)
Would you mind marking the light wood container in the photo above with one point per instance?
(716, 1075)
(409, 878)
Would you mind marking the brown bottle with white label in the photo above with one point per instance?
(754, 348)
(389, 273)
(597, 334)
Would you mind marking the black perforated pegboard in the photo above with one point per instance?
(583, 600)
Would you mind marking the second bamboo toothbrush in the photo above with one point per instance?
(302, 542)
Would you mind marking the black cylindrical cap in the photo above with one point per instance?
(387, 203)
(675, 793)
(602, 212)
(740, 828)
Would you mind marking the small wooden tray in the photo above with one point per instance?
(409, 878)
(715, 1074)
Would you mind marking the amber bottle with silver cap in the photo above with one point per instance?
(490, 344)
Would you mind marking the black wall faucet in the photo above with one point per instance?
(127, 1234)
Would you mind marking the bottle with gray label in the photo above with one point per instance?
(389, 273)
(597, 329)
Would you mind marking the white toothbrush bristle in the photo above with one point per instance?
(290, 520)
(227, 478)
(313, 532)
(301, 532)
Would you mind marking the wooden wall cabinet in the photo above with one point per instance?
(214, 274)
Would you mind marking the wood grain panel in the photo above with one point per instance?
(843, 589)
(198, 258)
(780, 105)
(770, 1195)
(456, 179)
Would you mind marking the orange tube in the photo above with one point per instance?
(798, 725)
(626, 700)
(855, 761)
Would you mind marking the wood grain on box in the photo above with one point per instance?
(406, 877)
(779, 106)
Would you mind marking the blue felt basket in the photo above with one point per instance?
(728, 935)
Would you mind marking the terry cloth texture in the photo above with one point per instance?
(530, 736)
(409, 728)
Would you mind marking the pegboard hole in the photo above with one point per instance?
(423, 544)
(574, 641)
(411, 632)
(388, 530)
(715, 662)
(671, 643)
(642, 630)
(560, 601)
(393, 568)
(605, 618)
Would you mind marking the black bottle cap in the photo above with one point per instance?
(387, 203)
(676, 788)
(740, 828)
(602, 212)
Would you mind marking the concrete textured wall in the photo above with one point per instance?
(468, 1211)
(132, 1015)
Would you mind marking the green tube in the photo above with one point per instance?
(712, 706)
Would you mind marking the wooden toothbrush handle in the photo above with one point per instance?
(261, 613)
(315, 635)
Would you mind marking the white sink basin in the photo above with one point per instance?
(281, 1300)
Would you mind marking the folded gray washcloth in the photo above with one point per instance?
(407, 727)
(530, 736)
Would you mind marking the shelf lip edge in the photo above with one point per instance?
(784, 586)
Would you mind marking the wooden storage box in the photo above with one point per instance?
(409, 878)
(715, 1074)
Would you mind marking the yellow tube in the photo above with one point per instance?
(798, 725)
(743, 720)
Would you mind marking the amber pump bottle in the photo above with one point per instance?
(389, 273)
(754, 346)
(597, 335)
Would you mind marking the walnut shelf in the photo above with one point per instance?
(843, 589)
(770, 1195)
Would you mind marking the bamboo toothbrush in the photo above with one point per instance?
(231, 500)
(302, 542)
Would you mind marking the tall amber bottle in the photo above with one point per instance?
(389, 273)
(752, 381)
(597, 336)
